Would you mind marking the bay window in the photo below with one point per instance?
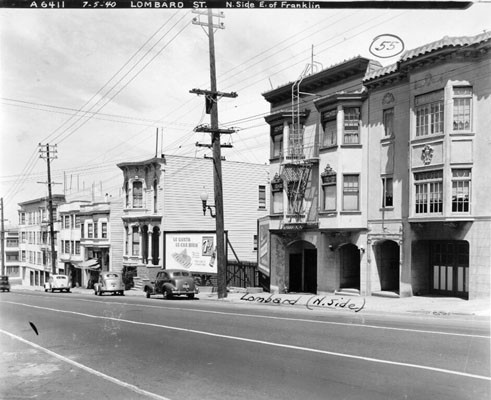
(462, 113)
(429, 113)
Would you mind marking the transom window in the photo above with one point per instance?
(429, 192)
(351, 126)
(461, 188)
(462, 100)
(429, 113)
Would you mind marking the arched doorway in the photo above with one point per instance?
(349, 259)
(387, 260)
(302, 263)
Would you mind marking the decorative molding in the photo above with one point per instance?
(427, 154)
(328, 175)
(388, 99)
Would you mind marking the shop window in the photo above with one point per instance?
(461, 188)
(351, 126)
(389, 122)
(462, 112)
(351, 193)
(429, 113)
(428, 192)
(388, 196)
(329, 125)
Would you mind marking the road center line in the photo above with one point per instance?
(92, 371)
(286, 346)
(300, 320)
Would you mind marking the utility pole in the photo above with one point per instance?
(2, 238)
(48, 153)
(211, 98)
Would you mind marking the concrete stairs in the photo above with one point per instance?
(347, 292)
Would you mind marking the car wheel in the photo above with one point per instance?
(45, 289)
(99, 292)
(121, 293)
(191, 296)
(147, 293)
(168, 294)
(52, 290)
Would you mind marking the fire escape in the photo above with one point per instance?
(296, 165)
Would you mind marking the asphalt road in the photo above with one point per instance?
(71, 346)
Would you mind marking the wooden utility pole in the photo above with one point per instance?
(211, 99)
(49, 152)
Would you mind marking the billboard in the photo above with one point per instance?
(193, 251)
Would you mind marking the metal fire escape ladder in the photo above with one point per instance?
(295, 170)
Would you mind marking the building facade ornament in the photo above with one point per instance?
(388, 99)
(427, 154)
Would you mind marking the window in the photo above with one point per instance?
(90, 230)
(137, 194)
(277, 136)
(66, 224)
(387, 197)
(67, 247)
(22, 218)
(329, 191)
(389, 122)
(96, 228)
(155, 187)
(277, 202)
(135, 241)
(329, 125)
(462, 100)
(262, 197)
(127, 195)
(351, 126)
(104, 230)
(12, 242)
(461, 188)
(429, 192)
(77, 221)
(429, 113)
(351, 192)
(295, 141)
(77, 247)
(255, 243)
(23, 255)
(82, 230)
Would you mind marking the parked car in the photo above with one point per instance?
(172, 282)
(57, 282)
(109, 282)
(4, 283)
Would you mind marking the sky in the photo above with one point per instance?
(103, 85)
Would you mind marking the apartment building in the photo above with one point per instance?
(380, 176)
(11, 258)
(430, 228)
(35, 239)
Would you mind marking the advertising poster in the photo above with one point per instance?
(263, 246)
(195, 252)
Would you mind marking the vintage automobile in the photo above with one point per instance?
(4, 283)
(57, 282)
(109, 282)
(172, 282)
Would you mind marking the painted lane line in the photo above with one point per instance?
(280, 345)
(297, 319)
(92, 371)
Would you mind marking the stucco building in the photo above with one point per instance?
(380, 176)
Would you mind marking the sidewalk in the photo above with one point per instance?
(426, 305)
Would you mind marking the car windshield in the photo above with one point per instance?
(111, 275)
(4, 278)
(61, 277)
(180, 273)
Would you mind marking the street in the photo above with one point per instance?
(72, 346)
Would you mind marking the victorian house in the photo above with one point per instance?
(166, 224)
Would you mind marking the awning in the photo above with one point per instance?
(88, 264)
